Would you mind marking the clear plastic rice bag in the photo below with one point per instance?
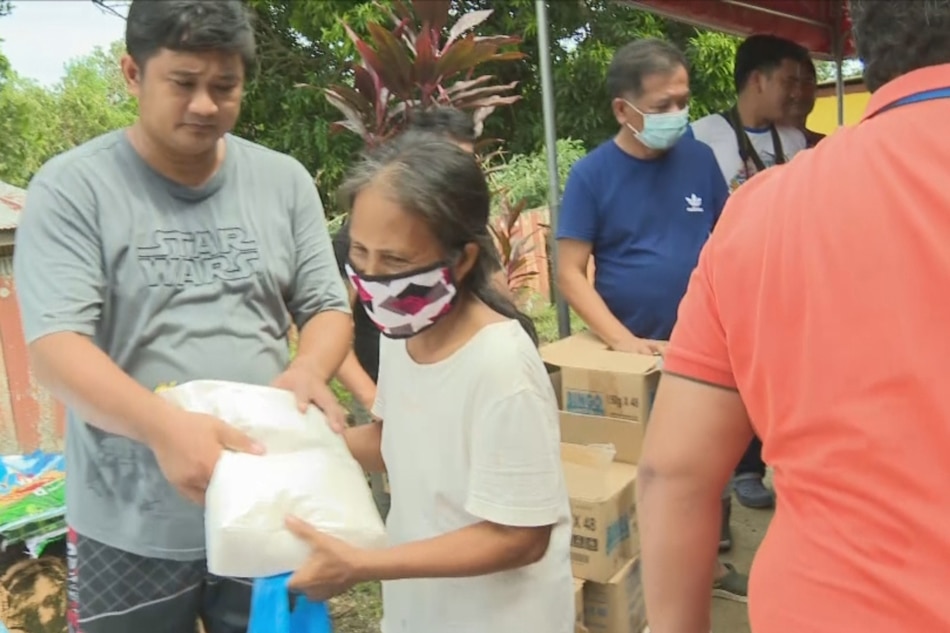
(307, 471)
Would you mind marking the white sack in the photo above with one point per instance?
(307, 471)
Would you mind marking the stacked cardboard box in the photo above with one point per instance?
(605, 399)
(579, 607)
(594, 380)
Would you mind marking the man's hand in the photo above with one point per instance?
(189, 446)
(634, 345)
(308, 390)
(331, 568)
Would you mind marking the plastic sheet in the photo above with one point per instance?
(32, 499)
(275, 610)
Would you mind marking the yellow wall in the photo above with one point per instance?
(824, 118)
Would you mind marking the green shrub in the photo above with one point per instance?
(525, 176)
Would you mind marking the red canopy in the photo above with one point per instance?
(815, 24)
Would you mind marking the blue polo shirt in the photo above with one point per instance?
(647, 221)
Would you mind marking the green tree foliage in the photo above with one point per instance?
(525, 176)
(827, 72)
(28, 129)
(4, 62)
(302, 49)
(37, 123)
(92, 97)
(303, 46)
(583, 40)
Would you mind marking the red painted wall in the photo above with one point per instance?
(30, 417)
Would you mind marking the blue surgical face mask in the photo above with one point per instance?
(661, 130)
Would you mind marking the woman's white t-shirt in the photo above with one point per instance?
(474, 438)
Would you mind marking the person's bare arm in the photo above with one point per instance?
(324, 342)
(186, 445)
(100, 392)
(351, 373)
(573, 257)
(476, 550)
(318, 301)
(61, 281)
(697, 433)
(365, 444)
(482, 548)
(355, 380)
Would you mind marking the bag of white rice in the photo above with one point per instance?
(307, 470)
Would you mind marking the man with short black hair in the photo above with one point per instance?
(802, 108)
(816, 318)
(642, 205)
(167, 252)
(747, 139)
(750, 136)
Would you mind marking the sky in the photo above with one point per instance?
(40, 36)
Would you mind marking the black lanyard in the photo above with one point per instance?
(917, 97)
(746, 150)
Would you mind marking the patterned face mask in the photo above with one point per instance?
(405, 304)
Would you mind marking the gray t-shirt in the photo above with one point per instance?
(174, 284)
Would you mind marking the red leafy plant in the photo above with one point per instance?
(420, 62)
(515, 245)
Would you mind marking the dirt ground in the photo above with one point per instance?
(33, 596)
(748, 529)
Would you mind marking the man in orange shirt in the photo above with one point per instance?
(818, 318)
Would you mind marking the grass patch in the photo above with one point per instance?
(545, 320)
(358, 610)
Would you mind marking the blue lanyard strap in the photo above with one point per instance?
(917, 97)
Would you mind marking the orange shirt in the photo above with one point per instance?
(824, 297)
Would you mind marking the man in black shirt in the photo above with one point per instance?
(360, 369)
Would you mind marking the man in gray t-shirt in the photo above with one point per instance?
(169, 252)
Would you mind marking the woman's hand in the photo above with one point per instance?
(332, 567)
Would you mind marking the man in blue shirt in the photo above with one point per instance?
(642, 204)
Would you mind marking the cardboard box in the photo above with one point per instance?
(616, 606)
(602, 492)
(598, 381)
(625, 436)
(603, 508)
(578, 602)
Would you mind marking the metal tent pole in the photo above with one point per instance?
(550, 143)
(837, 43)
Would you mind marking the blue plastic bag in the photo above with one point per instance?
(271, 610)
